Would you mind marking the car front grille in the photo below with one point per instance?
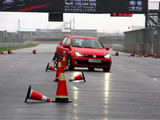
(91, 56)
(94, 64)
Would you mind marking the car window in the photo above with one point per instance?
(86, 43)
(67, 41)
(77, 42)
(96, 44)
(64, 41)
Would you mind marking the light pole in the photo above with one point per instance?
(19, 24)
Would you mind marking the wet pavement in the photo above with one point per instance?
(131, 90)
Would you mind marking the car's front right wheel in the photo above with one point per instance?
(69, 64)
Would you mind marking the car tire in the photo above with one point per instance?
(69, 64)
(55, 60)
(106, 69)
(91, 69)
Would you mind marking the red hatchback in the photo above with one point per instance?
(83, 52)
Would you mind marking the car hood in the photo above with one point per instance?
(91, 51)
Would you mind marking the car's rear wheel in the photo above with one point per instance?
(106, 69)
(91, 69)
(69, 64)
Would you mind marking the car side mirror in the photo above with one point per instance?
(107, 48)
(66, 46)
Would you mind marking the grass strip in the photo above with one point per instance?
(19, 47)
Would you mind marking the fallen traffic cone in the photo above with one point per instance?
(140, 55)
(116, 54)
(78, 77)
(132, 54)
(10, 52)
(49, 67)
(2, 53)
(146, 55)
(64, 65)
(36, 96)
(58, 69)
(155, 55)
(62, 94)
(35, 52)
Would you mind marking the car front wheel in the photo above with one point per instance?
(69, 64)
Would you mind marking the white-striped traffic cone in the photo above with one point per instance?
(49, 67)
(132, 54)
(1, 52)
(31, 94)
(62, 93)
(10, 52)
(35, 52)
(64, 64)
(78, 77)
(155, 55)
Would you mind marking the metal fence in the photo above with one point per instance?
(8, 39)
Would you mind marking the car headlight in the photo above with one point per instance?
(107, 56)
(79, 54)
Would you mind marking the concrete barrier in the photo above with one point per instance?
(145, 41)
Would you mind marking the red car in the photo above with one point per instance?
(83, 52)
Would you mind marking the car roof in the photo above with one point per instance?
(73, 36)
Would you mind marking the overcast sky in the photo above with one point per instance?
(101, 22)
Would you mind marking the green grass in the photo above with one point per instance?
(19, 47)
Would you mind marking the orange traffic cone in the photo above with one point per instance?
(58, 69)
(10, 52)
(116, 54)
(140, 55)
(62, 94)
(36, 96)
(49, 67)
(155, 55)
(64, 65)
(78, 77)
(35, 52)
(2, 53)
(132, 54)
(146, 55)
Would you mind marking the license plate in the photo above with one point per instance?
(94, 61)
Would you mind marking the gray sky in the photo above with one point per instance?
(101, 22)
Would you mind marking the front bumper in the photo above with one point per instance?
(84, 62)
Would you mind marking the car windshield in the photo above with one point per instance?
(86, 43)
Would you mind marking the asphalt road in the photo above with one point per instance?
(131, 90)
